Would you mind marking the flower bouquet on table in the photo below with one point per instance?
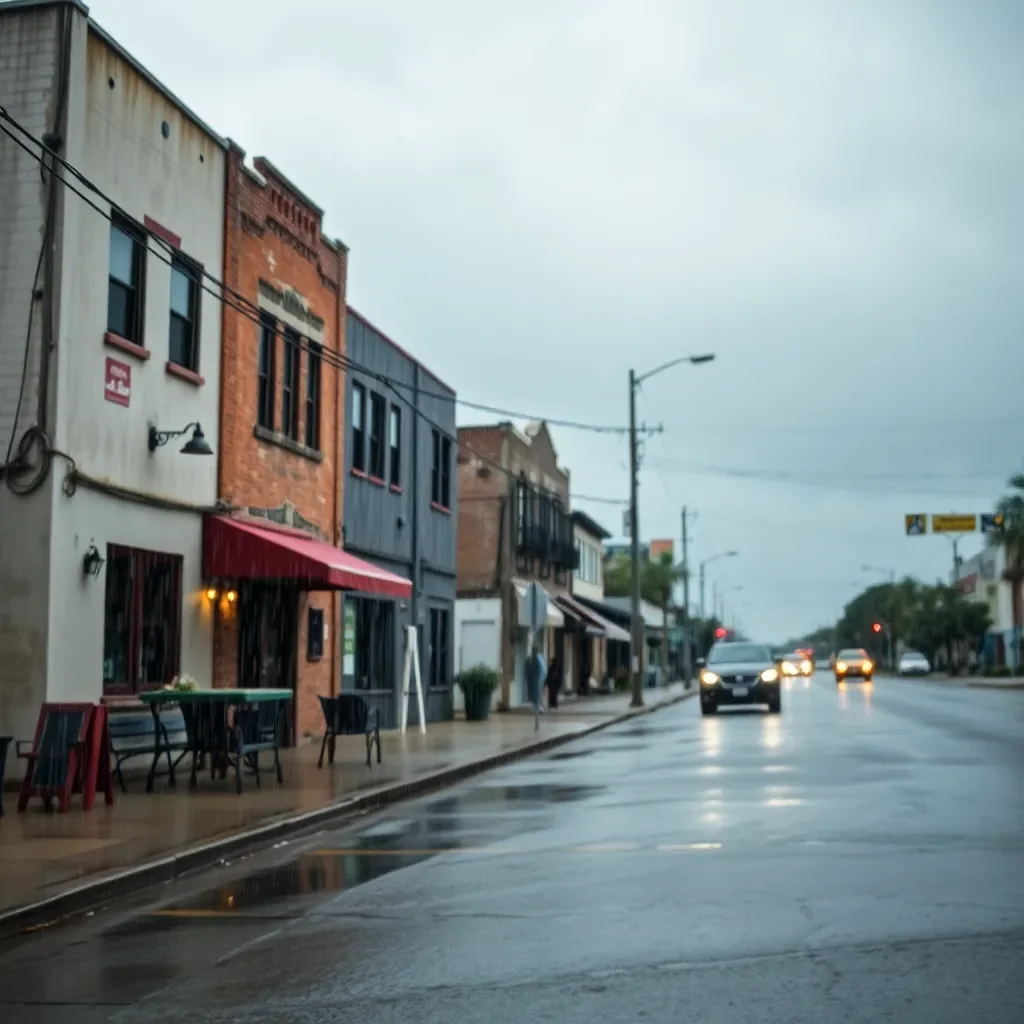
(183, 684)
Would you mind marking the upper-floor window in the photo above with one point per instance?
(290, 386)
(313, 360)
(396, 446)
(267, 363)
(377, 412)
(441, 470)
(358, 427)
(126, 280)
(184, 329)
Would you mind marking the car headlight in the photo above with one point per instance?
(708, 678)
(840, 666)
(789, 668)
(770, 675)
(867, 666)
(805, 666)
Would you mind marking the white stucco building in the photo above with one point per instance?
(122, 338)
(980, 578)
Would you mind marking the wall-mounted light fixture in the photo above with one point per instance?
(92, 562)
(211, 593)
(232, 596)
(195, 445)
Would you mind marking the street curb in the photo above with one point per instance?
(995, 686)
(92, 895)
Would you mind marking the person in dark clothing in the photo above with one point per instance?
(554, 681)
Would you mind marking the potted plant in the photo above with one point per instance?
(183, 683)
(477, 684)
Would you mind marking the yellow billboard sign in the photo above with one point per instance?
(954, 524)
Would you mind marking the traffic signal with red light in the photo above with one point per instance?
(720, 632)
(877, 627)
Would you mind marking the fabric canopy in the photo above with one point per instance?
(609, 629)
(239, 549)
(578, 614)
(555, 617)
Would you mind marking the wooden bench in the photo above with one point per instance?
(348, 715)
(133, 734)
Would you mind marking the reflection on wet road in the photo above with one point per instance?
(858, 856)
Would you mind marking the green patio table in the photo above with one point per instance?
(255, 725)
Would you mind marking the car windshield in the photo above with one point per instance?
(913, 656)
(853, 654)
(738, 652)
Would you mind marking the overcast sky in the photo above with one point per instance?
(539, 195)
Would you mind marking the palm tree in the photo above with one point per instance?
(1011, 540)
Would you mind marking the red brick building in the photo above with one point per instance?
(274, 563)
(514, 528)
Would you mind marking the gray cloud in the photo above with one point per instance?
(539, 195)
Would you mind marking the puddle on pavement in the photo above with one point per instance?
(568, 755)
(483, 797)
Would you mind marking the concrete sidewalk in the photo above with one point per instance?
(52, 865)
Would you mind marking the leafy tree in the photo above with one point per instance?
(1011, 540)
(657, 579)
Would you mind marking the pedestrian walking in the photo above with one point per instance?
(554, 682)
(536, 674)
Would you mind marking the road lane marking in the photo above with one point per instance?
(437, 852)
(605, 848)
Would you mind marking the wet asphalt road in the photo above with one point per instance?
(859, 858)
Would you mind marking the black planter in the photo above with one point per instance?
(478, 703)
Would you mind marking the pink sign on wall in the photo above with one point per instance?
(117, 387)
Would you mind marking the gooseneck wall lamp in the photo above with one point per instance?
(92, 562)
(195, 445)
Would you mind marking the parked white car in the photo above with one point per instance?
(913, 663)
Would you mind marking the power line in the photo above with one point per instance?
(858, 428)
(242, 305)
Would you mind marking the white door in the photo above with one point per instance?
(478, 645)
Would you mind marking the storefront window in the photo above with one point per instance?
(142, 619)
(440, 661)
(375, 644)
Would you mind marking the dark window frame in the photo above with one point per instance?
(446, 472)
(314, 363)
(441, 470)
(439, 672)
(375, 644)
(378, 425)
(136, 288)
(142, 563)
(359, 428)
(315, 634)
(193, 273)
(265, 383)
(291, 381)
(435, 467)
(395, 446)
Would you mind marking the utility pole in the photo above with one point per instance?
(687, 651)
(636, 625)
(702, 589)
(635, 380)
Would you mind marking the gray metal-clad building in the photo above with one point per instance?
(399, 513)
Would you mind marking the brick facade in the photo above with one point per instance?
(273, 235)
(487, 524)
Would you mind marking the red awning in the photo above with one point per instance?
(238, 549)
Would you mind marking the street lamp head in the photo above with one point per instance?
(706, 358)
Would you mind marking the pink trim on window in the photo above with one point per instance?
(160, 231)
(184, 373)
(113, 340)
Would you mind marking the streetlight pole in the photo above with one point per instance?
(636, 623)
(703, 565)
